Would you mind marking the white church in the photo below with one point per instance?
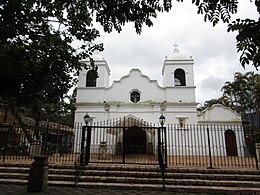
(135, 96)
(138, 96)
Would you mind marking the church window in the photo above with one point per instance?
(135, 96)
(181, 121)
(179, 77)
(91, 79)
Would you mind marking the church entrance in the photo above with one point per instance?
(135, 140)
(231, 144)
(128, 140)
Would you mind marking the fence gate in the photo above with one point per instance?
(127, 140)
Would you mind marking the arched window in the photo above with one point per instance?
(135, 96)
(91, 79)
(179, 77)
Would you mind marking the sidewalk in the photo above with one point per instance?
(8, 189)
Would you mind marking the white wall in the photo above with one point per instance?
(219, 114)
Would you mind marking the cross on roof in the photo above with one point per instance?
(175, 49)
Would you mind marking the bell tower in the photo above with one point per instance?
(103, 70)
(177, 70)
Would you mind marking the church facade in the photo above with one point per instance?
(137, 95)
(137, 98)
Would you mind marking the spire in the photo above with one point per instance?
(176, 50)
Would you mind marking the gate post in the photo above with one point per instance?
(38, 176)
(87, 154)
(82, 144)
(210, 160)
(124, 129)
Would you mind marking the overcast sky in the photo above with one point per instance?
(212, 48)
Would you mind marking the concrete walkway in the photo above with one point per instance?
(8, 189)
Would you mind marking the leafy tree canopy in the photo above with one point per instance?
(242, 94)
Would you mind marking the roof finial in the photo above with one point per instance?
(175, 49)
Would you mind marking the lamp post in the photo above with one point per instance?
(87, 119)
(161, 153)
(160, 142)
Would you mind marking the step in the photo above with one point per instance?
(13, 181)
(21, 176)
(158, 187)
(131, 180)
(120, 173)
(14, 169)
(181, 180)
(213, 176)
(122, 179)
(125, 186)
(212, 190)
(201, 182)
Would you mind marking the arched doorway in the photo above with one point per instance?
(231, 144)
(135, 140)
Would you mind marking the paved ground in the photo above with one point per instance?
(7, 189)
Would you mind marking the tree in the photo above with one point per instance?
(38, 60)
(62, 112)
(248, 40)
(242, 94)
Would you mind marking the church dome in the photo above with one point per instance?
(178, 56)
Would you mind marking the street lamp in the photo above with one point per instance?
(162, 120)
(87, 119)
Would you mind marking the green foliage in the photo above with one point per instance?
(248, 41)
(38, 60)
(215, 10)
(113, 14)
(241, 94)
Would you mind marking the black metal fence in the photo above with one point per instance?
(212, 146)
(134, 141)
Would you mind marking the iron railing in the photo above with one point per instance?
(117, 141)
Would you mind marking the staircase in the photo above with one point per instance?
(137, 177)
